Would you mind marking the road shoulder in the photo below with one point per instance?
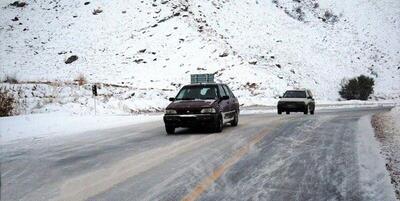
(387, 131)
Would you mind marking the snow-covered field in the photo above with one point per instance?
(36, 126)
(142, 52)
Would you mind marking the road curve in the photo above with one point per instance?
(267, 157)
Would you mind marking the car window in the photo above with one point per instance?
(221, 91)
(295, 94)
(229, 91)
(197, 92)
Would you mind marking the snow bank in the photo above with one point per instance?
(374, 178)
(61, 124)
(395, 114)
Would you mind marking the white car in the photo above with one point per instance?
(296, 101)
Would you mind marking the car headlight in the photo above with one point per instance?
(208, 110)
(170, 111)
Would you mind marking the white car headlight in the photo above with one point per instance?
(208, 110)
(170, 111)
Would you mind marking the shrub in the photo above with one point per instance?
(359, 88)
(81, 80)
(7, 103)
(97, 11)
(18, 4)
(11, 79)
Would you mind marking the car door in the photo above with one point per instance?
(231, 103)
(234, 103)
(224, 104)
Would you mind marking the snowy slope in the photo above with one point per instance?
(148, 49)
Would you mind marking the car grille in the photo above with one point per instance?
(188, 111)
(293, 104)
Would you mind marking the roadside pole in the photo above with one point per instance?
(94, 100)
(94, 92)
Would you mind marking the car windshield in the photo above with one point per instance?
(197, 92)
(295, 94)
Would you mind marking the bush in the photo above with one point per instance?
(358, 88)
(11, 79)
(81, 80)
(7, 103)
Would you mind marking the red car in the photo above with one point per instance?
(202, 105)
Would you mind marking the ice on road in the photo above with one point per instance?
(330, 156)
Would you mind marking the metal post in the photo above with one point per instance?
(94, 100)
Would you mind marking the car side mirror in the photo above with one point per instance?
(309, 97)
(171, 99)
(224, 97)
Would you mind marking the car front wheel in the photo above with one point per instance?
(306, 110)
(235, 120)
(170, 129)
(219, 126)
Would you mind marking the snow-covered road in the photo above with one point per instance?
(330, 156)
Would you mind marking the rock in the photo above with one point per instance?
(224, 54)
(71, 59)
(138, 61)
(142, 51)
(86, 3)
(15, 19)
(97, 11)
(18, 4)
(253, 62)
(278, 65)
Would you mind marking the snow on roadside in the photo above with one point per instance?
(270, 107)
(61, 124)
(374, 178)
(387, 131)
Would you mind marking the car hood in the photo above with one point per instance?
(180, 104)
(292, 99)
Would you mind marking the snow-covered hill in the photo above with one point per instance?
(143, 51)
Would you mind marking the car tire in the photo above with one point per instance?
(287, 112)
(312, 112)
(219, 125)
(170, 130)
(279, 111)
(235, 120)
(306, 110)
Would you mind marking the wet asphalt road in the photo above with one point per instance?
(267, 157)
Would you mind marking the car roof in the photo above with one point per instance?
(204, 84)
(298, 90)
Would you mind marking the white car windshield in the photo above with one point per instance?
(295, 94)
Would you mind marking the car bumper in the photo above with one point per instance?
(292, 106)
(190, 120)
